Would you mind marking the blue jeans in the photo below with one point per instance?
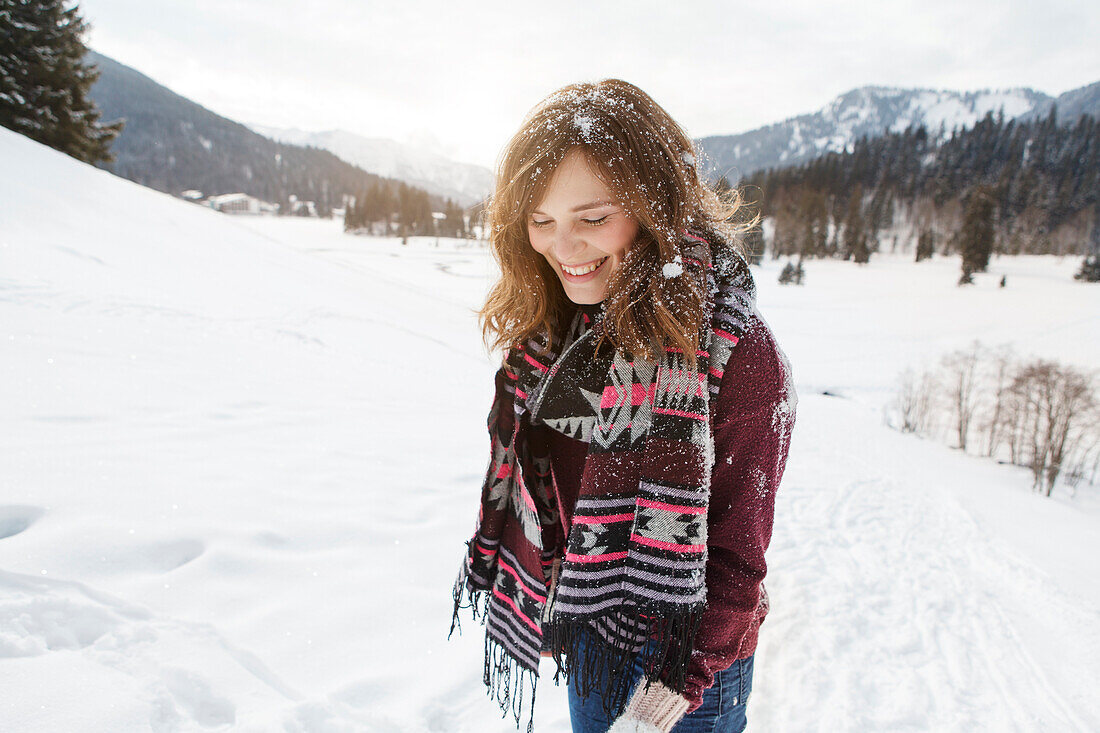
(722, 711)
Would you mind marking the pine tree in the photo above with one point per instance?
(1090, 270)
(44, 82)
(861, 253)
(779, 237)
(754, 245)
(1040, 174)
(976, 236)
(855, 235)
(353, 212)
(925, 245)
(372, 209)
(1090, 267)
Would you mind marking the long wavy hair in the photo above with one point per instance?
(649, 164)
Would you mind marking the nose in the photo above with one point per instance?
(568, 246)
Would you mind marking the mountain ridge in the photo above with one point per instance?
(171, 143)
(465, 182)
(869, 111)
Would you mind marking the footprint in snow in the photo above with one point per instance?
(16, 518)
(193, 693)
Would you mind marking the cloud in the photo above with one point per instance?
(469, 73)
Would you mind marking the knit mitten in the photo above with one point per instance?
(652, 711)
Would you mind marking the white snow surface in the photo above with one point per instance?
(241, 456)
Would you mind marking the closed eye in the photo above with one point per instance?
(595, 222)
(540, 224)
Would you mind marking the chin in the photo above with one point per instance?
(585, 298)
(588, 293)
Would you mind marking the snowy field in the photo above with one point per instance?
(240, 457)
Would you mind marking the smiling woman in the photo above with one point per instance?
(595, 541)
(580, 230)
(610, 147)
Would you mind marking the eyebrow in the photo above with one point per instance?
(583, 207)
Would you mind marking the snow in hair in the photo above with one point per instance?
(648, 163)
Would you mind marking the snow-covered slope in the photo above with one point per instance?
(864, 111)
(240, 458)
(208, 503)
(464, 182)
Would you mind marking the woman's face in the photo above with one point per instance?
(580, 230)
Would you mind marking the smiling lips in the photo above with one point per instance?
(581, 270)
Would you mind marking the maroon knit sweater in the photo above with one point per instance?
(752, 429)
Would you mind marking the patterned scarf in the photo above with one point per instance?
(635, 558)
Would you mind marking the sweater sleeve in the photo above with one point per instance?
(753, 421)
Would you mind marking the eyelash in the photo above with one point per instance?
(590, 222)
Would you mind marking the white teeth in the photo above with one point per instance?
(583, 270)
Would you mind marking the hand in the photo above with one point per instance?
(624, 724)
(655, 710)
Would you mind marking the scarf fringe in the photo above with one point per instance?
(507, 682)
(505, 679)
(614, 660)
(477, 599)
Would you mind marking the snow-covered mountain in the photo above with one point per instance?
(1074, 103)
(868, 111)
(464, 182)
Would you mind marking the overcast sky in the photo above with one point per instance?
(464, 74)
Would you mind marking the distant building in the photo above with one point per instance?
(240, 203)
(192, 194)
(301, 208)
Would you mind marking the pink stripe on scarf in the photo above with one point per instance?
(679, 508)
(667, 545)
(527, 589)
(680, 413)
(676, 350)
(519, 613)
(594, 558)
(592, 519)
(537, 365)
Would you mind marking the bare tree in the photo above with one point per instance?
(913, 401)
(999, 366)
(1085, 464)
(1015, 423)
(1047, 413)
(961, 368)
(1054, 405)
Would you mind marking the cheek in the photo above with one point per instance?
(621, 237)
(538, 242)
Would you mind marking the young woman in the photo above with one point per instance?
(639, 429)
